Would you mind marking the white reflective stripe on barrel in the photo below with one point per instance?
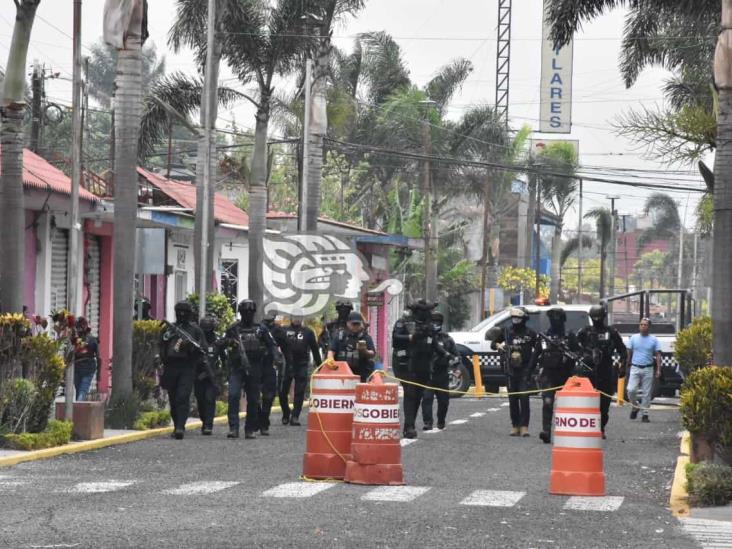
(565, 401)
(577, 442)
(332, 404)
(335, 384)
(375, 413)
(574, 422)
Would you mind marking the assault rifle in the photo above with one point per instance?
(197, 346)
(585, 370)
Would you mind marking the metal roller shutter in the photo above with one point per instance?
(93, 277)
(59, 268)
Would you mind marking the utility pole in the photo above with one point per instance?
(613, 244)
(209, 93)
(537, 249)
(302, 221)
(579, 252)
(73, 304)
(430, 260)
(36, 106)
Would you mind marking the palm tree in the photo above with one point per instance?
(566, 16)
(558, 195)
(12, 208)
(666, 219)
(603, 230)
(125, 29)
(571, 246)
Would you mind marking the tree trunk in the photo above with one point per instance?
(555, 285)
(258, 204)
(603, 256)
(318, 129)
(484, 251)
(12, 203)
(494, 249)
(128, 109)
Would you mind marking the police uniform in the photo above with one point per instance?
(345, 348)
(301, 343)
(440, 378)
(332, 329)
(271, 377)
(205, 387)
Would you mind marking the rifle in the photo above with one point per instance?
(187, 337)
(562, 347)
(245, 364)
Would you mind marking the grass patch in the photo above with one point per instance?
(57, 433)
(152, 420)
(709, 484)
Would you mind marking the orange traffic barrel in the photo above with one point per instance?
(330, 418)
(577, 454)
(376, 450)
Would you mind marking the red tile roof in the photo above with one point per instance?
(225, 211)
(327, 220)
(40, 174)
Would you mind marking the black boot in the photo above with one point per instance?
(207, 431)
(427, 427)
(178, 434)
(440, 424)
(295, 421)
(285, 420)
(410, 432)
(545, 436)
(233, 433)
(249, 435)
(264, 431)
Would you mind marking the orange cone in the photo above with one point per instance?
(377, 453)
(577, 455)
(330, 419)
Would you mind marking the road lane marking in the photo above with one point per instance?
(477, 414)
(202, 487)
(492, 409)
(594, 503)
(709, 533)
(100, 487)
(493, 498)
(504, 404)
(433, 431)
(394, 493)
(407, 441)
(297, 489)
(458, 422)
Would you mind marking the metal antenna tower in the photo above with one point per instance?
(503, 58)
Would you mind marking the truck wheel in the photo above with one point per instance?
(459, 380)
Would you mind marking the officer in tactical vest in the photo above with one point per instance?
(181, 349)
(555, 366)
(334, 327)
(301, 344)
(272, 373)
(248, 347)
(598, 343)
(416, 346)
(440, 377)
(208, 371)
(355, 346)
(519, 345)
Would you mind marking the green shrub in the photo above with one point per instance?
(218, 306)
(43, 365)
(145, 350)
(222, 408)
(57, 433)
(709, 484)
(122, 413)
(17, 404)
(706, 404)
(153, 420)
(693, 348)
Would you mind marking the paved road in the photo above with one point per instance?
(468, 486)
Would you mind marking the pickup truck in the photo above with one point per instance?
(475, 342)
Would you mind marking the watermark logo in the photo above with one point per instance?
(302, 273)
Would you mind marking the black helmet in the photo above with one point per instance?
(519, 312)
(183, 306)
(556, 314)
(247, 305)
(494, 333)
(209, 324)
(598, 312)
(421, 310)
(269, 317)
(344, 305)
(437, 316)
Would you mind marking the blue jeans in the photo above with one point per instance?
(644, 378)
(83, 376)
(238, 382)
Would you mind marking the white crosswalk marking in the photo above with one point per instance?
(458, 422)
(407, 441)
(394, 493)
(100, 487)
(297, 489)
(493, 498)
(477, 414)
(711, 534)
(432, 431)
(504, 404)
(492, 409)
(203, 487)
(594, 503)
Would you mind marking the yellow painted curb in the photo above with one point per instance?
(686, 443)
(87, 445)
(679, 501)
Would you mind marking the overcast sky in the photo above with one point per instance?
(431, 33)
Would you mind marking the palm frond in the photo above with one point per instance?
(448, 81)
(572, 245)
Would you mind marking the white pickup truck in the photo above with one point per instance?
(475, 342)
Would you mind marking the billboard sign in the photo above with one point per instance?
(556, 84)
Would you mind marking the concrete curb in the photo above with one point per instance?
(88, 445)
(679, 500)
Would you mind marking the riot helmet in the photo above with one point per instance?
(208, 324)
(493, 334)
(269, 319)
(421, 310)
(343, 308)
(247, 309)
(557, 317)
(183, 311)
(437, 320)
(519, 316)
(598, 314)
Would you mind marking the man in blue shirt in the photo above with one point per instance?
(644, 359)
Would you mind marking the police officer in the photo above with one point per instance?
(598, 343)
(332, 329)
(440, 377)
(519, 345)
(180, 350)
(416, 343)
(248, 348)
(555, 367)
(301, 344)
(206, 385)
(355, 346)
(272, 374)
